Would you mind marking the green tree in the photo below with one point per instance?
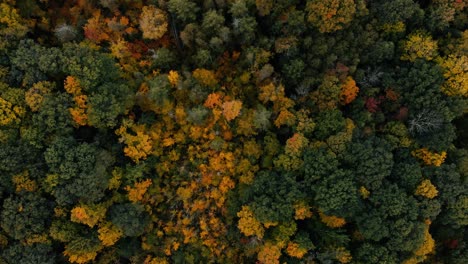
(25, 215)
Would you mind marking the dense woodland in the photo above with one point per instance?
(233, 131)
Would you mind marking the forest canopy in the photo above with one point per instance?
(233, 131)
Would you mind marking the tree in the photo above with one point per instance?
(131, 218)
(349, 91)
(273, 197)
(37, 253)
(78, 171)
(153, 22)
(456, 75)
(184, 10)
(419, 45)
(25, 215)
(375, 161)
(337, 194)
(330, 15)
(12, 23)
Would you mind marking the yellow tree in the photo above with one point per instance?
(419, 45)
(456, 75)
(139, 143)
(153, 22)
(9, 113)
(426, 189)
(205, 77)
(248, 225)
(430, 158)
(330, 15)
(35, 95)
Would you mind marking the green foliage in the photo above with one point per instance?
(273, 196)
(319, 131)
(374, 161)
(25, 215)
(129, 217)
(37, 253)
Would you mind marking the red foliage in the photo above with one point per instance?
(372, 104)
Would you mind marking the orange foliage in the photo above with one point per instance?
(88, 214)
(213, 100)
(349, 91)
(79, 116)
(269, 254)
(294, 250)
(231, 109)
(136, 193)
(94, 30)
(332, 221)
(72, 85)
(302, 211)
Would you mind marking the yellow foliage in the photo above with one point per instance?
(10, 114)
(302, 211)
(296, 144)
(269, 254)
(231, 109)
(119, 49)
(419, 45)
(81, 257)
(456, 75)
(427, 247)
(364, 192)
(426, 189)
(136, 193)
(14, 25)
(343, 255)
(294, 250)
(109, 234)
(285, 118)
(72, 85)
(37, 238)
(248, 225)
(430, 158)
(330, 15)
(3, 241)
(88, 214)
(138, 144)
(269, 92)
(173, 78)
(116, 180)
(332, 221)
(394, 28)
(153, 22)
(35, 95)
(23, 182)
(349, 91)
(156, 260)
(205, 77)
